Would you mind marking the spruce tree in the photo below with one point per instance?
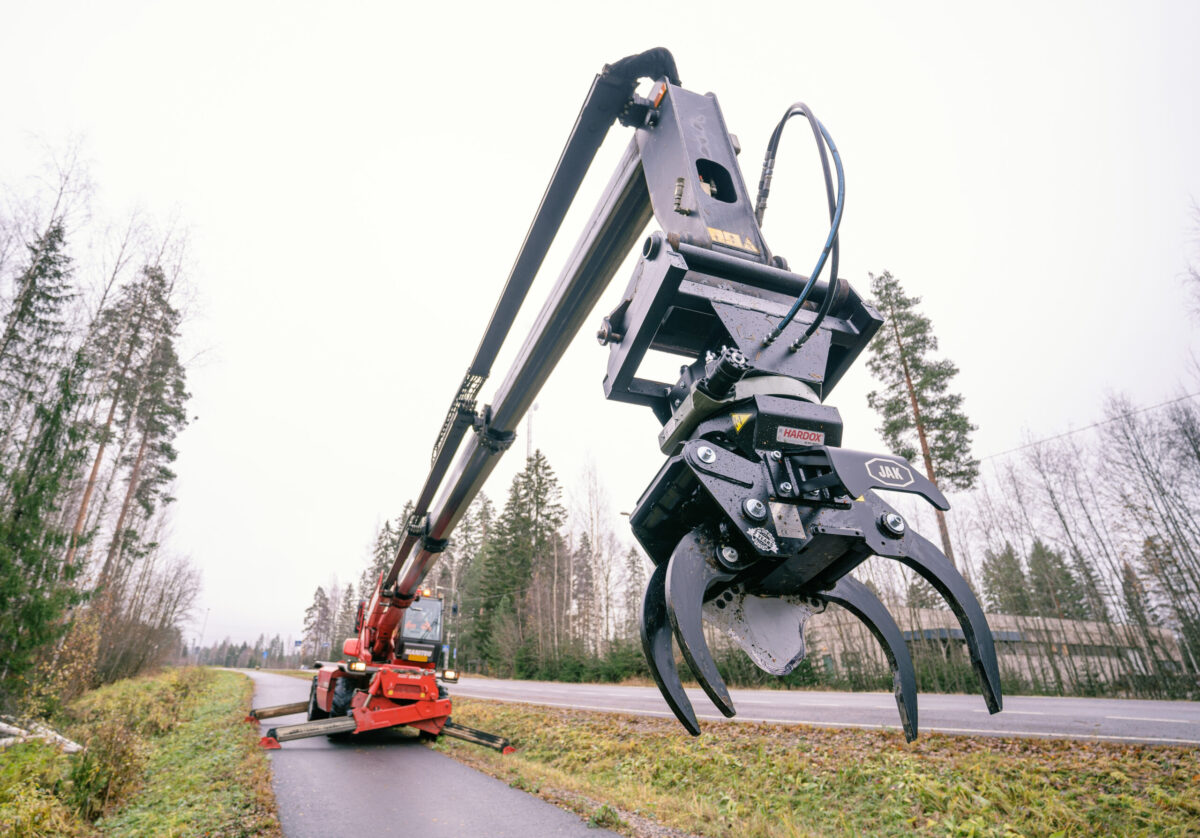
(1005, 588)
(32, 343)
(1054, 590)
(383, 552)
(920, 594)
(344, 625)
(921, 416)
(583, 593)
(635, 588)
(317, 623)
(34, 594)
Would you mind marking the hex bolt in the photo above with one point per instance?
(729, 554)
(776, 455)
(785, 488)
(892, 524)
(755, 509)
(706, 454)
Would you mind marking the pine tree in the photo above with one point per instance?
(1005, 587)
(122, 335)
(158, 415)
(920, 414)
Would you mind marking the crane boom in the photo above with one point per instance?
(758, 515)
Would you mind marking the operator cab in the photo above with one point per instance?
(421, 631)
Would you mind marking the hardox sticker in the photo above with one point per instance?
(799, 436)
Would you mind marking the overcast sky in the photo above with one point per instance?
(357, 178)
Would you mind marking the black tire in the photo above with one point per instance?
(343, 694)
(426, 736)
(314, 711)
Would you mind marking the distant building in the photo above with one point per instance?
(1042, 651)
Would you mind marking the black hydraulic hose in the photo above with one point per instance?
(822, 139)
(834, 287)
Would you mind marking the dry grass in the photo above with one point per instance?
(638, 774)
(167, 755)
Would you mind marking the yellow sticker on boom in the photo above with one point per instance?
(739, 419)
(732, 240)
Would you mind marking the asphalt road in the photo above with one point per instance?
(387, 784)
(1117, 720)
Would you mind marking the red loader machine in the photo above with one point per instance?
(758, 515)
(377, 686)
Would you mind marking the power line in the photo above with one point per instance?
(1089, 427)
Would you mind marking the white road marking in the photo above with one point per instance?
(860, 725)
(1016, 712)
(1152, 719)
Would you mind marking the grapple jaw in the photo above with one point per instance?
(756, 565)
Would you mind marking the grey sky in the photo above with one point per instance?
(357, 178)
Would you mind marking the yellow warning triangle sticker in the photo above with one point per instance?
(739, 419)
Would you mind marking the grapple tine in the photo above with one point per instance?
(690, 573)
(857, 598)
(656, 643)
(922, 556)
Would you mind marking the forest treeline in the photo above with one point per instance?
(1071, 530)
(92, 397)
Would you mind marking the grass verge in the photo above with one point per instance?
(167, 755)
(637, 774)
(306, 674)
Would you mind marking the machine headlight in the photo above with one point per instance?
(356, 666)
(450, 675)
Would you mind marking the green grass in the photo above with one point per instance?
(207, 776)
(167, 755)
(771, 780)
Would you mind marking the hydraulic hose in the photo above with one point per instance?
(831, 249)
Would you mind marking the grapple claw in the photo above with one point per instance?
(857, 598)
(656, 643)
(922, 556)
(690, 573)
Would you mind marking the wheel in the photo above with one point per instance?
(426, 736)
(343, 694)
(314, 710)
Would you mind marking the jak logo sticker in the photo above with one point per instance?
(889, 472)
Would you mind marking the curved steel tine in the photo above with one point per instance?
(656, 643)
(690, 573)
(857, 598)
(921, 555)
